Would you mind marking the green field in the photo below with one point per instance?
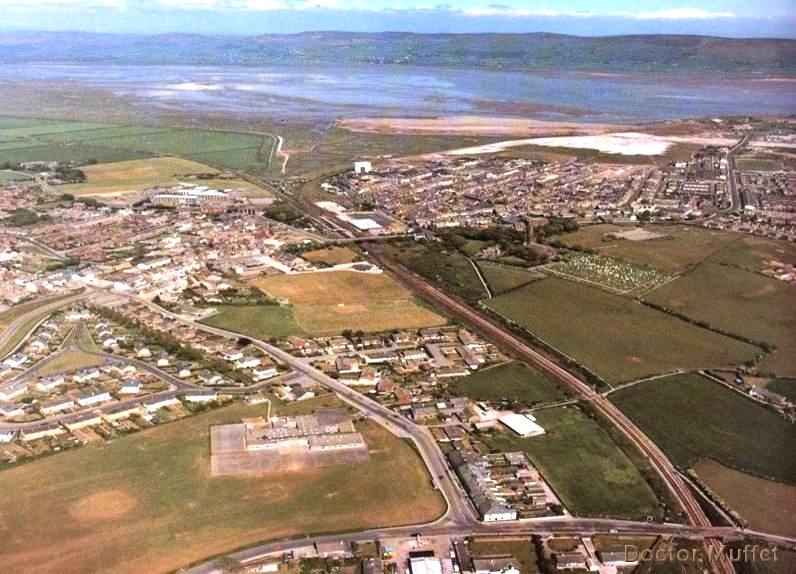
(522, 550)
(785, 387)
(147, 500)
(68, 362)
(683, 247)
(691, 417)
(503, 278)
(331, 302)
(587, 470)
(757, 164)
(514, 381)
(7, 176)
(618, 338)
(48, 140)
(751, 252)
(739, 302)
(767, 506)
(261, 322)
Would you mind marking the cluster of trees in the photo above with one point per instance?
(283, 212)
(23, 217)
(69, 174)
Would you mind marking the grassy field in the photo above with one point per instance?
(757, 164)
(590, 474)
(739, 302)
(8, 176)
(149, 500)
(691, 417)
(331, 302)
(136, 175)
(514, 381)
(751, 253)
(13, 313)
(260, 322)
(766, 505)
(68, 362)
(30, 140)
(633, 341)
(331, 255)
(785, 387)
(504, 278)
(684, 247)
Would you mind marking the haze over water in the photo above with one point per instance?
(327, 92)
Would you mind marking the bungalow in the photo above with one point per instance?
(121, 411)
(86, 375)
(201, 396)
(472, 360)
(379, 356)
(247, 362)
(347, 365)
(339, 345)
(163, 359)
(11, 410)
(6, 435)
(130, 387)
(56, 406)
(208, 377)
(42, 430)
(13, 391)
(257, 399)
(40, 343)
(92, 397)
(264, 372)
(414, 354)
(16, 360)
(233, 356)
(109, 342)
(183, 370)
(369, 376)
(78, 314)
(570, 561)
(495, 565)
(141, 350)
(83, 420)
(49, 383)
(154, 405)
(123, 368)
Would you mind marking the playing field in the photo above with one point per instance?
(504, 278)
(588, 471)
(332, 255)
(757, 164)
(740, 302)
(618, 338)
(331, 302)
(147, 500)
(751, 252)
(768, 506)
(261, 322)
(514, 381)
(691, 417)
(683, 246)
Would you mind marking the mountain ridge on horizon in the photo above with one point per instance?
(519, 51)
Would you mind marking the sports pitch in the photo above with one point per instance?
(331, 302)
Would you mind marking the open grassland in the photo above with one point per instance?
(8, 176)
(69, 361)
(751, 253)
(503, 277)
(683, 247)
(31, 140)
(691, 417)
(331, 302)
(784, 387)
(757, 164)
(136, 175)
(148, 501)
(614, 274)
(739, 302)
(618, 338)
(15, 312)
(588, 471)
(261, 322)
(331, 255)
(767, 506)
(514, 381)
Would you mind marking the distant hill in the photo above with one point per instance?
(538, 51)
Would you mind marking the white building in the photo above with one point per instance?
(523, 425)
(362, 167)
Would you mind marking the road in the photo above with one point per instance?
(497, 334)
(735, 197)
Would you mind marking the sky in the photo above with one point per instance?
(736, 18)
